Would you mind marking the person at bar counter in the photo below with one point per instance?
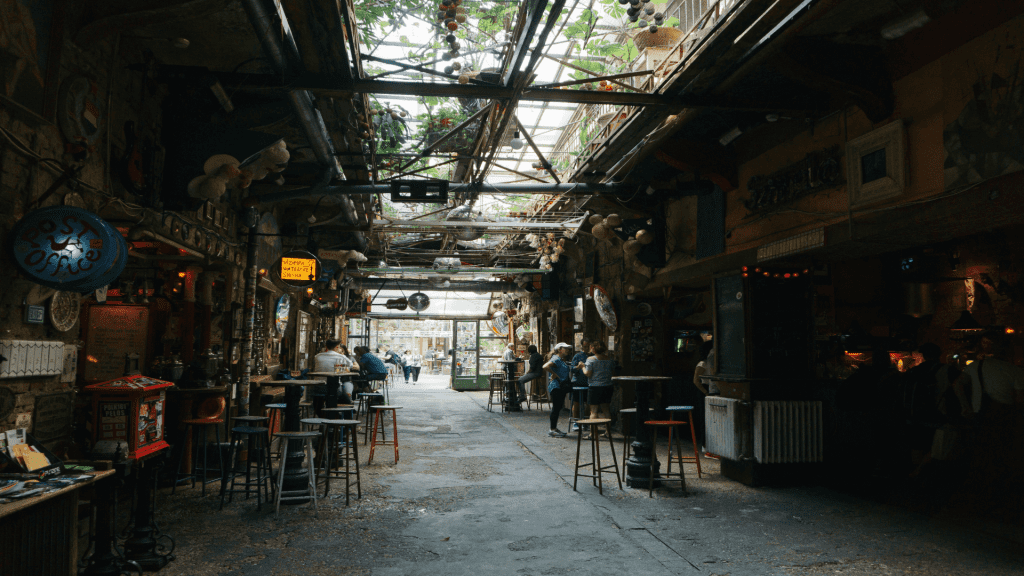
(373, 368)
(334, 359)
(991, 395)
(534, 368)
(559, 384)
(579, 379)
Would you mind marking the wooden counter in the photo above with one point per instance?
(39, 534)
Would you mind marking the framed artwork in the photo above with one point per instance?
(30, 57)
(876, 164)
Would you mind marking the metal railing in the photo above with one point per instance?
(592, 124)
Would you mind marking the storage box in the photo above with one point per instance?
(19, 436)
(130, 410)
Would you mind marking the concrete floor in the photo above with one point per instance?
(478, 492)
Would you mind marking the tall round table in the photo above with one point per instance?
(638, 467)
(296, 476)
(334, 380)
(511, 394)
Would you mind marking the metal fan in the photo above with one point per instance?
(419, 301)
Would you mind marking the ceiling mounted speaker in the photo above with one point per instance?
(419, 302)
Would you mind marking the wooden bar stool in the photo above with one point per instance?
(539, 398)
(310, 491)
(685, 412)
(275, 413)
(496, 394)
(341, 411)
(382, 426)
(198, 428)
(667, 476)
(340, 455)
(579, 397)
(257, 452)
(366, 402)
(595, 454)
(627, 439)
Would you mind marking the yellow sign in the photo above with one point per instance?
(302, 269)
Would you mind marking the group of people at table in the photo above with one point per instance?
(590, 368)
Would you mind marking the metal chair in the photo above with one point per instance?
(666, 476)
(686, 411)
(380, 426)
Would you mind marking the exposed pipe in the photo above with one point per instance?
(285, 59)
(372, 284)
(478, 188)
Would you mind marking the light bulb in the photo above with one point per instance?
(517, 142)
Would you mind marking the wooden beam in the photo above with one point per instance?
(429, 149)
(532, 12)
(568, 64)
(598, 79)
(523, 174)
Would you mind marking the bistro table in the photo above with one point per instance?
(296, 476)
(642, 460)
(511, 395)
(334, 380)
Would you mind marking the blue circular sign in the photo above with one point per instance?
(68, 248)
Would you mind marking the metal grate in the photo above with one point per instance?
(787, 432)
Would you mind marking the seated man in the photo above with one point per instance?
(332, 360)
(372, 368)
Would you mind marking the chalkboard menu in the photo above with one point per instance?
(112, 332)
(52, 417)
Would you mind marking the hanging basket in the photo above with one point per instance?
(663, 38)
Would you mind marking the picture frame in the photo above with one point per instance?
(876, 165)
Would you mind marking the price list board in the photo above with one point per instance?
(112, 332)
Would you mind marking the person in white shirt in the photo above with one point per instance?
(416, 363)
(332, 360)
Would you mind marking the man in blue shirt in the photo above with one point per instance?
(579, 379)
(371, 366)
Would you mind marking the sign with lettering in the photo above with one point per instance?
(52, 417)
(112, 332)
(298, 268)
(113, 421)
(68, 248)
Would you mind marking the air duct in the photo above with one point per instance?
(373, 284)
(275, 37)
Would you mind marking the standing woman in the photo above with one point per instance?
(559, 384)
(416, 363)
(598, 369)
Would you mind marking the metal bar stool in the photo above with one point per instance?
(340, 452)
(365, 406)
(687, 412)
(258, 453)
(382, 426)
(496, 390)
(579, 396)
(595, 454)
(667, 476)
(310, 491)
(627, 439)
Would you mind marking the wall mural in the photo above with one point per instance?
(986, 139)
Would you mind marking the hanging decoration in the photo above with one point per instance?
(69, 249)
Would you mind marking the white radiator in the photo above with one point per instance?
(31, 358)
(787, 432)
(726, 427)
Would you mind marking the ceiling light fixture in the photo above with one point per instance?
(517, 141)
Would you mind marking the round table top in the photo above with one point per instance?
(509, 361)
(594, 421)
(294, 382)
(384, 407)
(639, 378)
(333, 374)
